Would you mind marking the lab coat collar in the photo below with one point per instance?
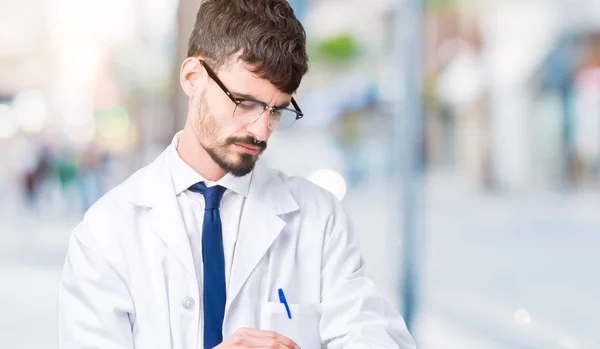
(155, 190)
(260, 225)
(266, 187)
(268, 199)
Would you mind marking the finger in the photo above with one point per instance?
(281, 339)
(260, 342)
(241, 340)
(262, 334)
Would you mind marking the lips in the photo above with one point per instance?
(249, 147)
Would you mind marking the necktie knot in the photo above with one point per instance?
(212, 195)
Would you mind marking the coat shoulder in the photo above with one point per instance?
(307, 193)
(115, 209)
(121, 197)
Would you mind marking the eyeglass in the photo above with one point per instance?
(247, 111)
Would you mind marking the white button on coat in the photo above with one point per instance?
(188, 303)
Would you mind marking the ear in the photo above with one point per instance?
(191, 76)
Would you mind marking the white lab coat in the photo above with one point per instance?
(129, 279)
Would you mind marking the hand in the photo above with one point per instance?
(250, 338)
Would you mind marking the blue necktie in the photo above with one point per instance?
(214, 296)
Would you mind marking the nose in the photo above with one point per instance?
(260, 128)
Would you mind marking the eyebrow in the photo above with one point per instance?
(253, 98)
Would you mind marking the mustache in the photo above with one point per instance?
(248, 141)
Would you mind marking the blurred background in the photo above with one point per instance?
(462, 136)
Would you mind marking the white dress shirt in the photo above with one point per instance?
(192, 206)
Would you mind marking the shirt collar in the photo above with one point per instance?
(184, 176)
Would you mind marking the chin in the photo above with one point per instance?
(241, 166)
(240, 172)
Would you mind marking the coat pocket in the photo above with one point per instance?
(302, 328)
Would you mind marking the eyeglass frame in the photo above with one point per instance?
(238, 101)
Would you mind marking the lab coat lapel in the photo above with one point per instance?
(260, 225)
(165, 219)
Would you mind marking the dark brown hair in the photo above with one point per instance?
(271, 39)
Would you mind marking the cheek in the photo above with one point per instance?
(219, 105)
(220, 109)
(219, 129)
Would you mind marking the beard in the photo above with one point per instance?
(207, 134)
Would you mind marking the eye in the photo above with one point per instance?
(277, 114)
(247, 105)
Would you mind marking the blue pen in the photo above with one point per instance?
(285, 303)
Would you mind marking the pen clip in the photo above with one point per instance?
(285, 303)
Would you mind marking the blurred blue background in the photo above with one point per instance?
(463, 139)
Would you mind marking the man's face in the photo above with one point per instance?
(234, 146)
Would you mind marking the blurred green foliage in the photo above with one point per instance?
(342, 47)
(440, 4)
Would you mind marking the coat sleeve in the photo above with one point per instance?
(94, 304)
(355, 315)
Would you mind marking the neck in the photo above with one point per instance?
(193, 154)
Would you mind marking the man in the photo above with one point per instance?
(206, 247)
